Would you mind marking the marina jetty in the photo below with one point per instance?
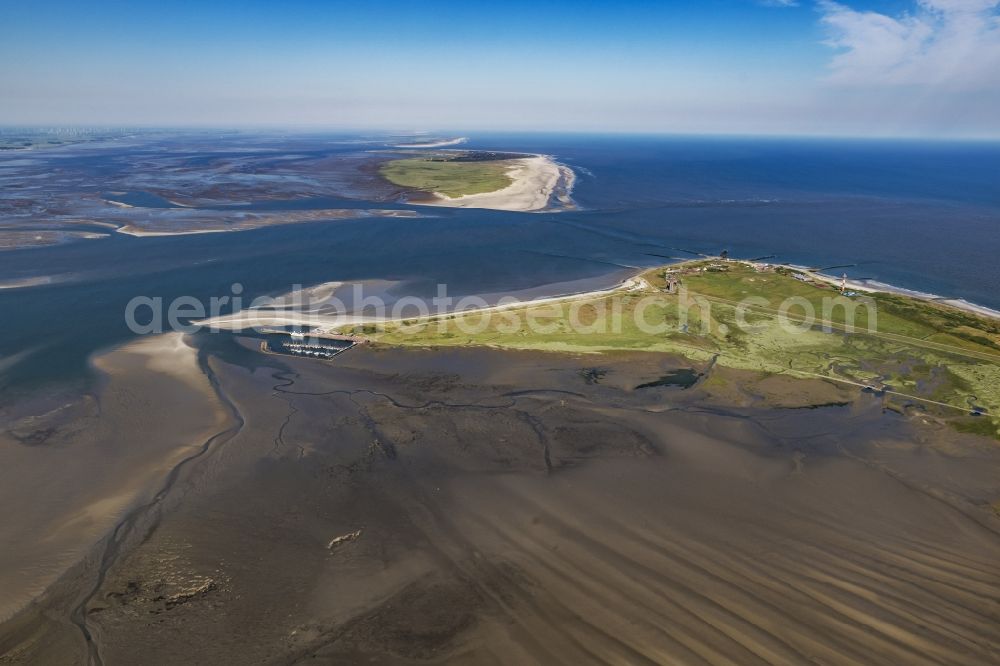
(309, 345)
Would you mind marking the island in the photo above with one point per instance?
(789, 337)
(749, 332)
(432, 142)
(481, 179)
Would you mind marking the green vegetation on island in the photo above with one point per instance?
(450, 177)
(762, 319)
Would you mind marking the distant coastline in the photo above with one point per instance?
(442, 143)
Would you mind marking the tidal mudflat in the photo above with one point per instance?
(482, 506)
(75, 465)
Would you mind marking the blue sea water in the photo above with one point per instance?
(920, 215)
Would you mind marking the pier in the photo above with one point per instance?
(325, 348)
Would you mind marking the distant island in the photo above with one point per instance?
(482, 179)
(432, 143)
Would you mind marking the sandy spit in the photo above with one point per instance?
(321, 322)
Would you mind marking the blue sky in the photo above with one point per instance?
(893, 68)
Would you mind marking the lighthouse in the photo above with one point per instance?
(843, 283)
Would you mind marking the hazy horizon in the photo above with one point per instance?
(857, 68)
(476, 133)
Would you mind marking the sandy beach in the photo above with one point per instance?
(534, 181)
(871, 287)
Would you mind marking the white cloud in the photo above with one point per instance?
(944, 43)
(959, 5)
